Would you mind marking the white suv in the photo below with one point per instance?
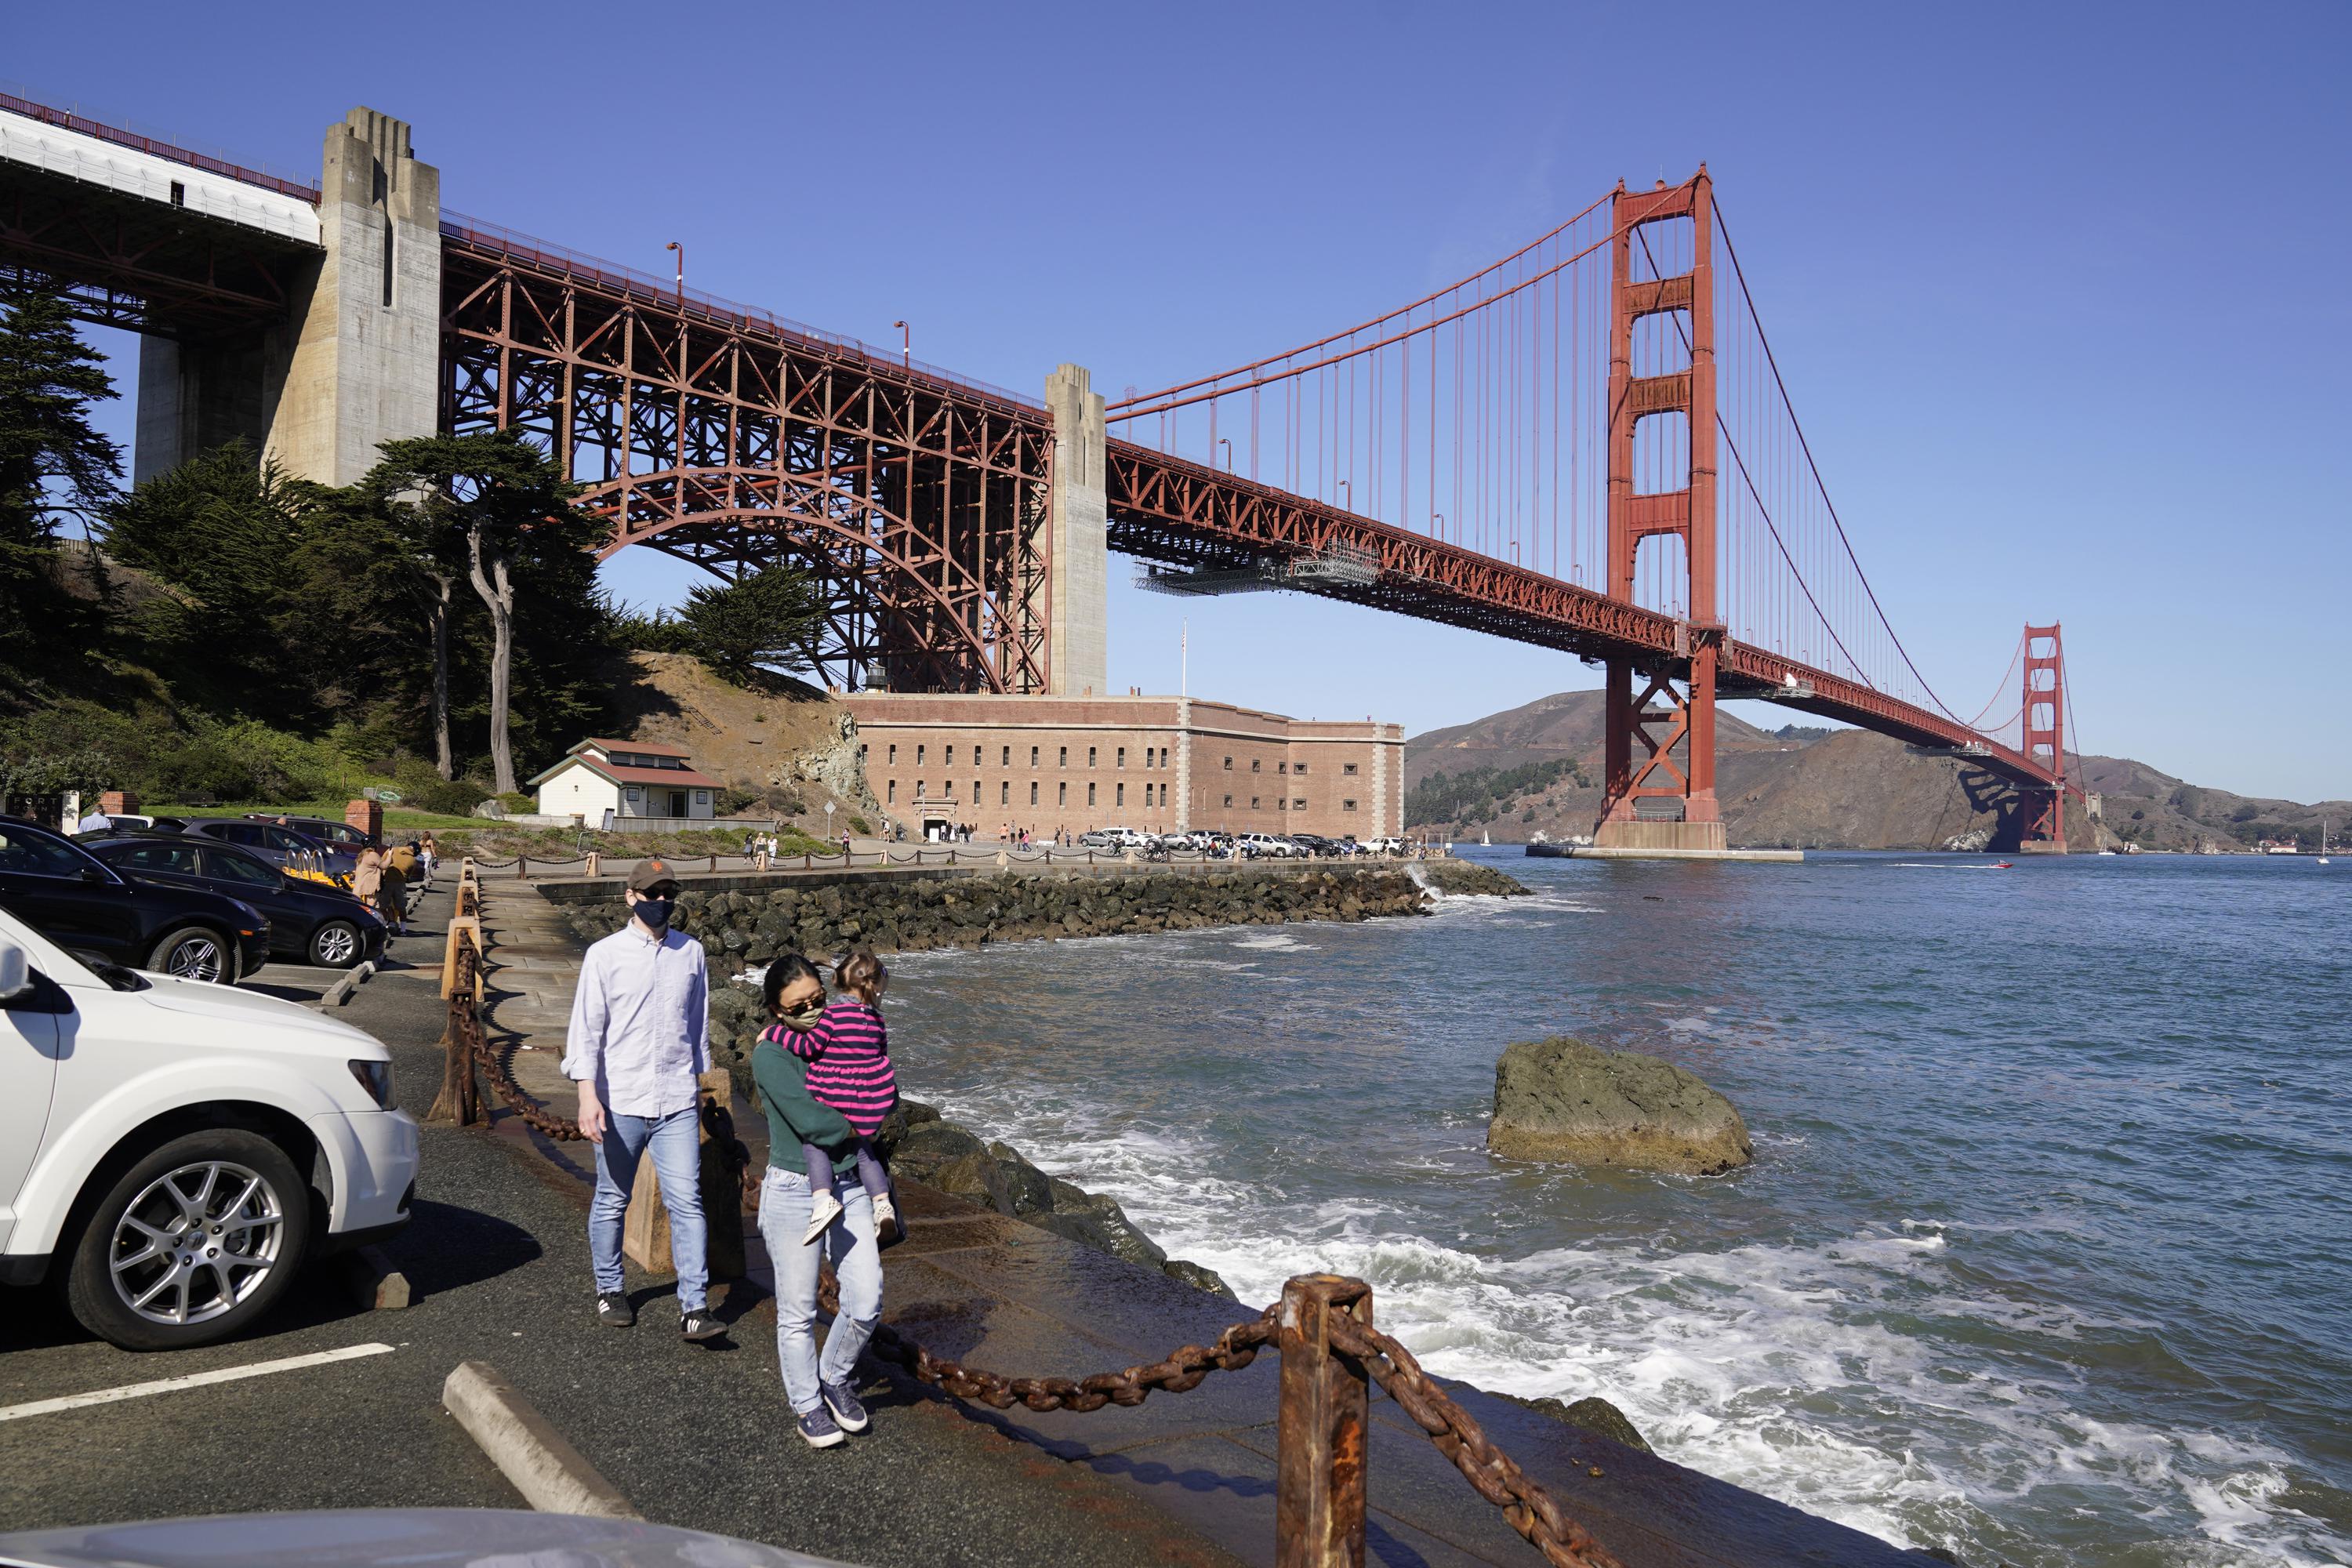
(170, 1153)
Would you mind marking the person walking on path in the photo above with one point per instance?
(818, 1389)
(639, 1042)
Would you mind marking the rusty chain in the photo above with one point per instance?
(1182, 1371)
(1492, 1473)
(466, 1028)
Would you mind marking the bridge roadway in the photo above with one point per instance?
(228, 232)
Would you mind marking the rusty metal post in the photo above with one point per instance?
(1319, 1503)
(522, 865)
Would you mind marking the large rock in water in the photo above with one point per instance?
(1563, 1099)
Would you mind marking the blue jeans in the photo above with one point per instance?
(848, 1245)
(676, 1147)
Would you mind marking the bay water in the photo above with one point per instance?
(2045, 1256)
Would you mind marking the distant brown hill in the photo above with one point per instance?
(1538, 767)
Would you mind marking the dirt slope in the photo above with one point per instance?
(792, 745)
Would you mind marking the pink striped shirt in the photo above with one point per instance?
(848, 1057)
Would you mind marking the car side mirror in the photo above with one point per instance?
(16, 972)
(93, 873)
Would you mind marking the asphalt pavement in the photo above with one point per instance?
(696, 1435)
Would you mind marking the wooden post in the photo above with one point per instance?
(1318, 1501)
(644, 1235)
(592, 863)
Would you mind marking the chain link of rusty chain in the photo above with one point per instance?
(1182, 1371)
(1492, 1473)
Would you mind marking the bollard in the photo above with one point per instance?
(522, 865)
(1319, 1499)
(714, 862)
(591, 862)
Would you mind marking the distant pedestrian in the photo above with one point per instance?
(94, 821)
(822, 1400)
(430, 847)
(367, 876)
(638, 1044)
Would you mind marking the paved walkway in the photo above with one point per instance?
(994, 1292)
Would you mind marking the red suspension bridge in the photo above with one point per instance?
(1588, 446)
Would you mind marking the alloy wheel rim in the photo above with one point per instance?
(198, 958)
(196, 1243)
(336, 943)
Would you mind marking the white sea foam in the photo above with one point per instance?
(1792, 1370)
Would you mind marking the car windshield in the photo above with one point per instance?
(38, 854)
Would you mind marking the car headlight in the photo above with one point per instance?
(376, 1078)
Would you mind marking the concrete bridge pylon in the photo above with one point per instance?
(356, 359)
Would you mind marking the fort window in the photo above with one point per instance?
(950, 758)
(1349, 769)
(1282, 767)
(1253, 802)
(1004, 792)
(1298, 805)
(1032, 792)
(1008, 757)
(892, 796)
(1298, 767)
(919, 761)
(894, 756)
(1229, 764)
(1090, 756)
(1121, 798)
(1033, 756)
(1062, 794)
(1228, 800)
(1065, 758)
(1122, 756)
(1255, 763)
(1090, 794)
(1346, 806)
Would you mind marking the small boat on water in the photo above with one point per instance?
(2004, 864)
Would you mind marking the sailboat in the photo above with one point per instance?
(1486, 840)
(2323, 841)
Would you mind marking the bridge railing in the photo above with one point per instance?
(81, 124)
(665, 292)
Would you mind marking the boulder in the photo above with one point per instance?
(1563, 1099)
(1198, 1277)
(1593, 1413)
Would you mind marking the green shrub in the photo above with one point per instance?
(518, 803)
(860, 826)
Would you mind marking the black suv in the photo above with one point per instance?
(309, 922)
(79, 902)
(285, 847)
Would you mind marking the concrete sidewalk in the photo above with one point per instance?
(990, 1290)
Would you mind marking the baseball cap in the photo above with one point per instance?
(651, 873)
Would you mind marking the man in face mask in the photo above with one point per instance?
(640, 1040)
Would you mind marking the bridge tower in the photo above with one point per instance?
(2041, 813)
(1665, 798)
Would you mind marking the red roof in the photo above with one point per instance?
(676, 778)
(647, 747)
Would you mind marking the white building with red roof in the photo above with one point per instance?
(626, 779)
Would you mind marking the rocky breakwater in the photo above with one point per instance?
(1563, 1099)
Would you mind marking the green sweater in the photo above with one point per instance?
(793, 1118)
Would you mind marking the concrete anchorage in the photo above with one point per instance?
(356, 362)
(1079, 552)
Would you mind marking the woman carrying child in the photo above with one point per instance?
(818, 1390)
(848, 1056)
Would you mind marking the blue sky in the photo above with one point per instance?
(2058, 290)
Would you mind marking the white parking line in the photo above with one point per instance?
(193, 1380)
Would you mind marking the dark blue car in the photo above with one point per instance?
(308, 922)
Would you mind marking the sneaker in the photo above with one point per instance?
(886, 1215)
(824, 1209)
(819, 1430)
(613, 1310)
(846, 1411)
(701, 1325)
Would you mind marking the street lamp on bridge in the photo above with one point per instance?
(1227, 443)
(906, 344)
(674, 245)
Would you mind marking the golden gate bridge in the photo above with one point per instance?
(1587, 446)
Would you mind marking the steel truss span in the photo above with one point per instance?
(721, 438)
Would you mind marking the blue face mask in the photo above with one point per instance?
(654, 912)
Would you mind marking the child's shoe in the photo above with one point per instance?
(886, 1215)
(824, 1209)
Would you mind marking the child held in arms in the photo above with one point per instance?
(848, 1054)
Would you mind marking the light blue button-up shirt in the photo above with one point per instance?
(641, 1022)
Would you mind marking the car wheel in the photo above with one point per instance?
(192, 1243)
(196, 953)
(337, 945)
